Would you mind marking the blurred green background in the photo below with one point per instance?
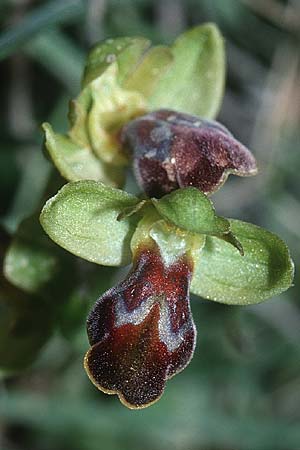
(242, 389)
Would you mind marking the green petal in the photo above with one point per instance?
(82, 218)
(223, 275)
(112, 106)
(191, 210)
(78, 111)
(150, 70)
(126, 51)
(78, 163)
(195, 82)
(30, 261)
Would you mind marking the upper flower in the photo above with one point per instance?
(172, 150)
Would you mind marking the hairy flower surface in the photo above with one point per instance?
(172, 150)
(142, 332)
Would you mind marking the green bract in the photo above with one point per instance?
(222, 275)
(82, 218)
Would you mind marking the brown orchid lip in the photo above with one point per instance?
(114, 392)
(171, 150)
(141, 332)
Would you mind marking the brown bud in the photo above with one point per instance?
(172, 150)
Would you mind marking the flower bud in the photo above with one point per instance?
(172, 150)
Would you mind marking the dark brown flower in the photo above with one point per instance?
(141, 332)
(172, 150)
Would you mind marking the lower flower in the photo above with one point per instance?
(141, 331)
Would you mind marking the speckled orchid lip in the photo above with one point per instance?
(141, 331)
(172, 150)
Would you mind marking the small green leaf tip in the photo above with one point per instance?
(82, 218)
(191, 210)
(224, 276)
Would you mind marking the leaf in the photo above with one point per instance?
(58, 54)
(78, 163)
(126, 51)
(112, 107)
(191, 210)
(195, 82)
(82, 218)
(150, 70)
(30, 261)
(25, 326)
(265, 270)
(40, 18)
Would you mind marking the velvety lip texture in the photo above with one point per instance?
(172, 150)
(141, 331)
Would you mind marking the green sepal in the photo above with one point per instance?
(82, 218)
(150, 70)
(191, 210)
(223, 275)
(126, 51)
(194, 83)
(75, 162)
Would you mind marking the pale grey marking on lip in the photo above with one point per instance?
(151, 153)
(171, 340)
(160, 133)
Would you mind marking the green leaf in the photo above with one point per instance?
(265, 270)
(150, 70)
(195, 82)
(191, 210)
(30, 261)
(78, 163)
(57, 52)
(127, 51)
(40, 18)
(26, 324)
(82, 218)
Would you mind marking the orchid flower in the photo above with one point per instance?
(153, 109)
